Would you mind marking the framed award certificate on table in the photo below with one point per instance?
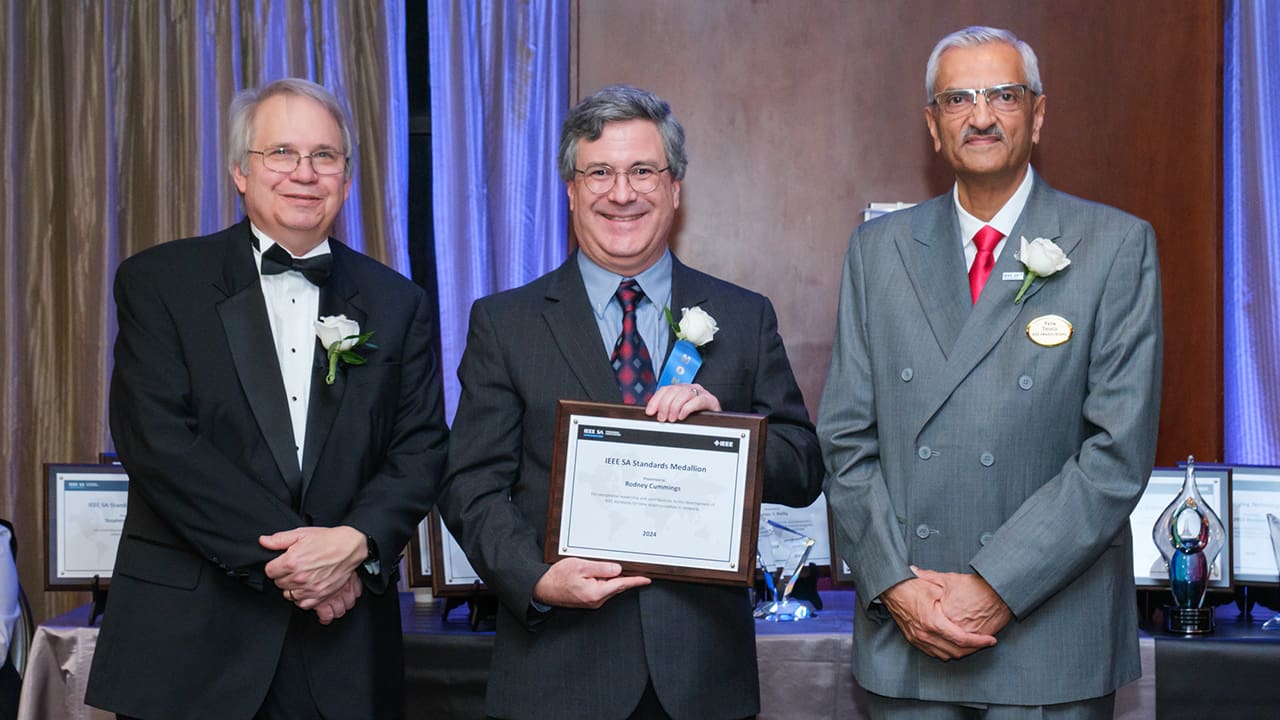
(677, 501)
(85, 507)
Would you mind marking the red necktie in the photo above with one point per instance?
(631, 362)
(986, 241)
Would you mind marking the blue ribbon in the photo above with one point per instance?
(682, 364)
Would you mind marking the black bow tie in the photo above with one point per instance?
(277, 260)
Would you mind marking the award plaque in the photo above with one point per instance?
(676, 501)
(1273, 524)
(85, 507)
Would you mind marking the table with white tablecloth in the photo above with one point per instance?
(804, 667)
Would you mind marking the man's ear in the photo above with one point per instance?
(932, 122)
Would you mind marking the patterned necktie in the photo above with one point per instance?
(986, 241)
(631, 362)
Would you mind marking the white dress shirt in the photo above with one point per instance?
(1003, 220)
(293, 306)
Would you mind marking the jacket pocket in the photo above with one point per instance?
(160, 564)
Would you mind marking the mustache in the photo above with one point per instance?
(992, 130)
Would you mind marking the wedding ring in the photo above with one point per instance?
(290, 591)
(695, 392)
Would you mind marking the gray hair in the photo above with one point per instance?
(981, 35)
(245, 106)
(619, 103)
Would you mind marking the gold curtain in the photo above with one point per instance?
(113, 118)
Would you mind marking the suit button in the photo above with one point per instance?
(923, 532)
(924, 452)
(987, 459)
(907, 374)
(1025, 382)
(986, 538)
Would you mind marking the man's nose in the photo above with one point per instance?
(622, 192)
(981, 114)
(305, 170)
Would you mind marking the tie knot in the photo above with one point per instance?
(987, 239)
(629, 294)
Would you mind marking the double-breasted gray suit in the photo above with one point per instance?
(955, 443)
(528, 348)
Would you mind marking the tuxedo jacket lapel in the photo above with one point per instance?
(244, 320)
(339, 296)
(573, 328)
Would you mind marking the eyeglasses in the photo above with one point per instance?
(1001, 98)
(643, 178)
(285, 160)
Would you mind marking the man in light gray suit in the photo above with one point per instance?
(986, 440)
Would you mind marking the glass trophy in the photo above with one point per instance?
(787, 550)
(1189, 534)
(1273, 523)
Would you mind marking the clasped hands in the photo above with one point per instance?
(316, 569)
(947, 615)
(588, 584)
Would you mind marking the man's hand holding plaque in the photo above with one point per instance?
(588, 584)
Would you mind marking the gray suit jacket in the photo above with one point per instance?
(955, 443)
(526, 349)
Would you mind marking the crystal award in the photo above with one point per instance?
(786, 550)
(1189, 534)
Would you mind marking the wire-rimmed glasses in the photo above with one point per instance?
(601, 178)
(1000, 98)
(286, 160)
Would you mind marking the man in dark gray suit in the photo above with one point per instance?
(576, 639)
(986, 439)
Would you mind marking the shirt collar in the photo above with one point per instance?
(1003, 221)
(602, 284)
(265, 242)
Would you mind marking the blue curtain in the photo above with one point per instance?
(499, 91)
(1251, 229)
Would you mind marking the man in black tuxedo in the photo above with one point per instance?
(255, 576)
(576, 639)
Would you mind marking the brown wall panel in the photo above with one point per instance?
(800, 113)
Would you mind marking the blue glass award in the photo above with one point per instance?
(1189, 534)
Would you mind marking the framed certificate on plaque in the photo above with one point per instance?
(811, 521)
(451, 571)
(1255, 493)
(419, 555)
(85, 507)
(677, 501)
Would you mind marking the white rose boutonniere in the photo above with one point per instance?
(1042, 258)
(695, 329)
(340, 336)
(696, 325)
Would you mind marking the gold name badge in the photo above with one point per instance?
(1049, 330)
